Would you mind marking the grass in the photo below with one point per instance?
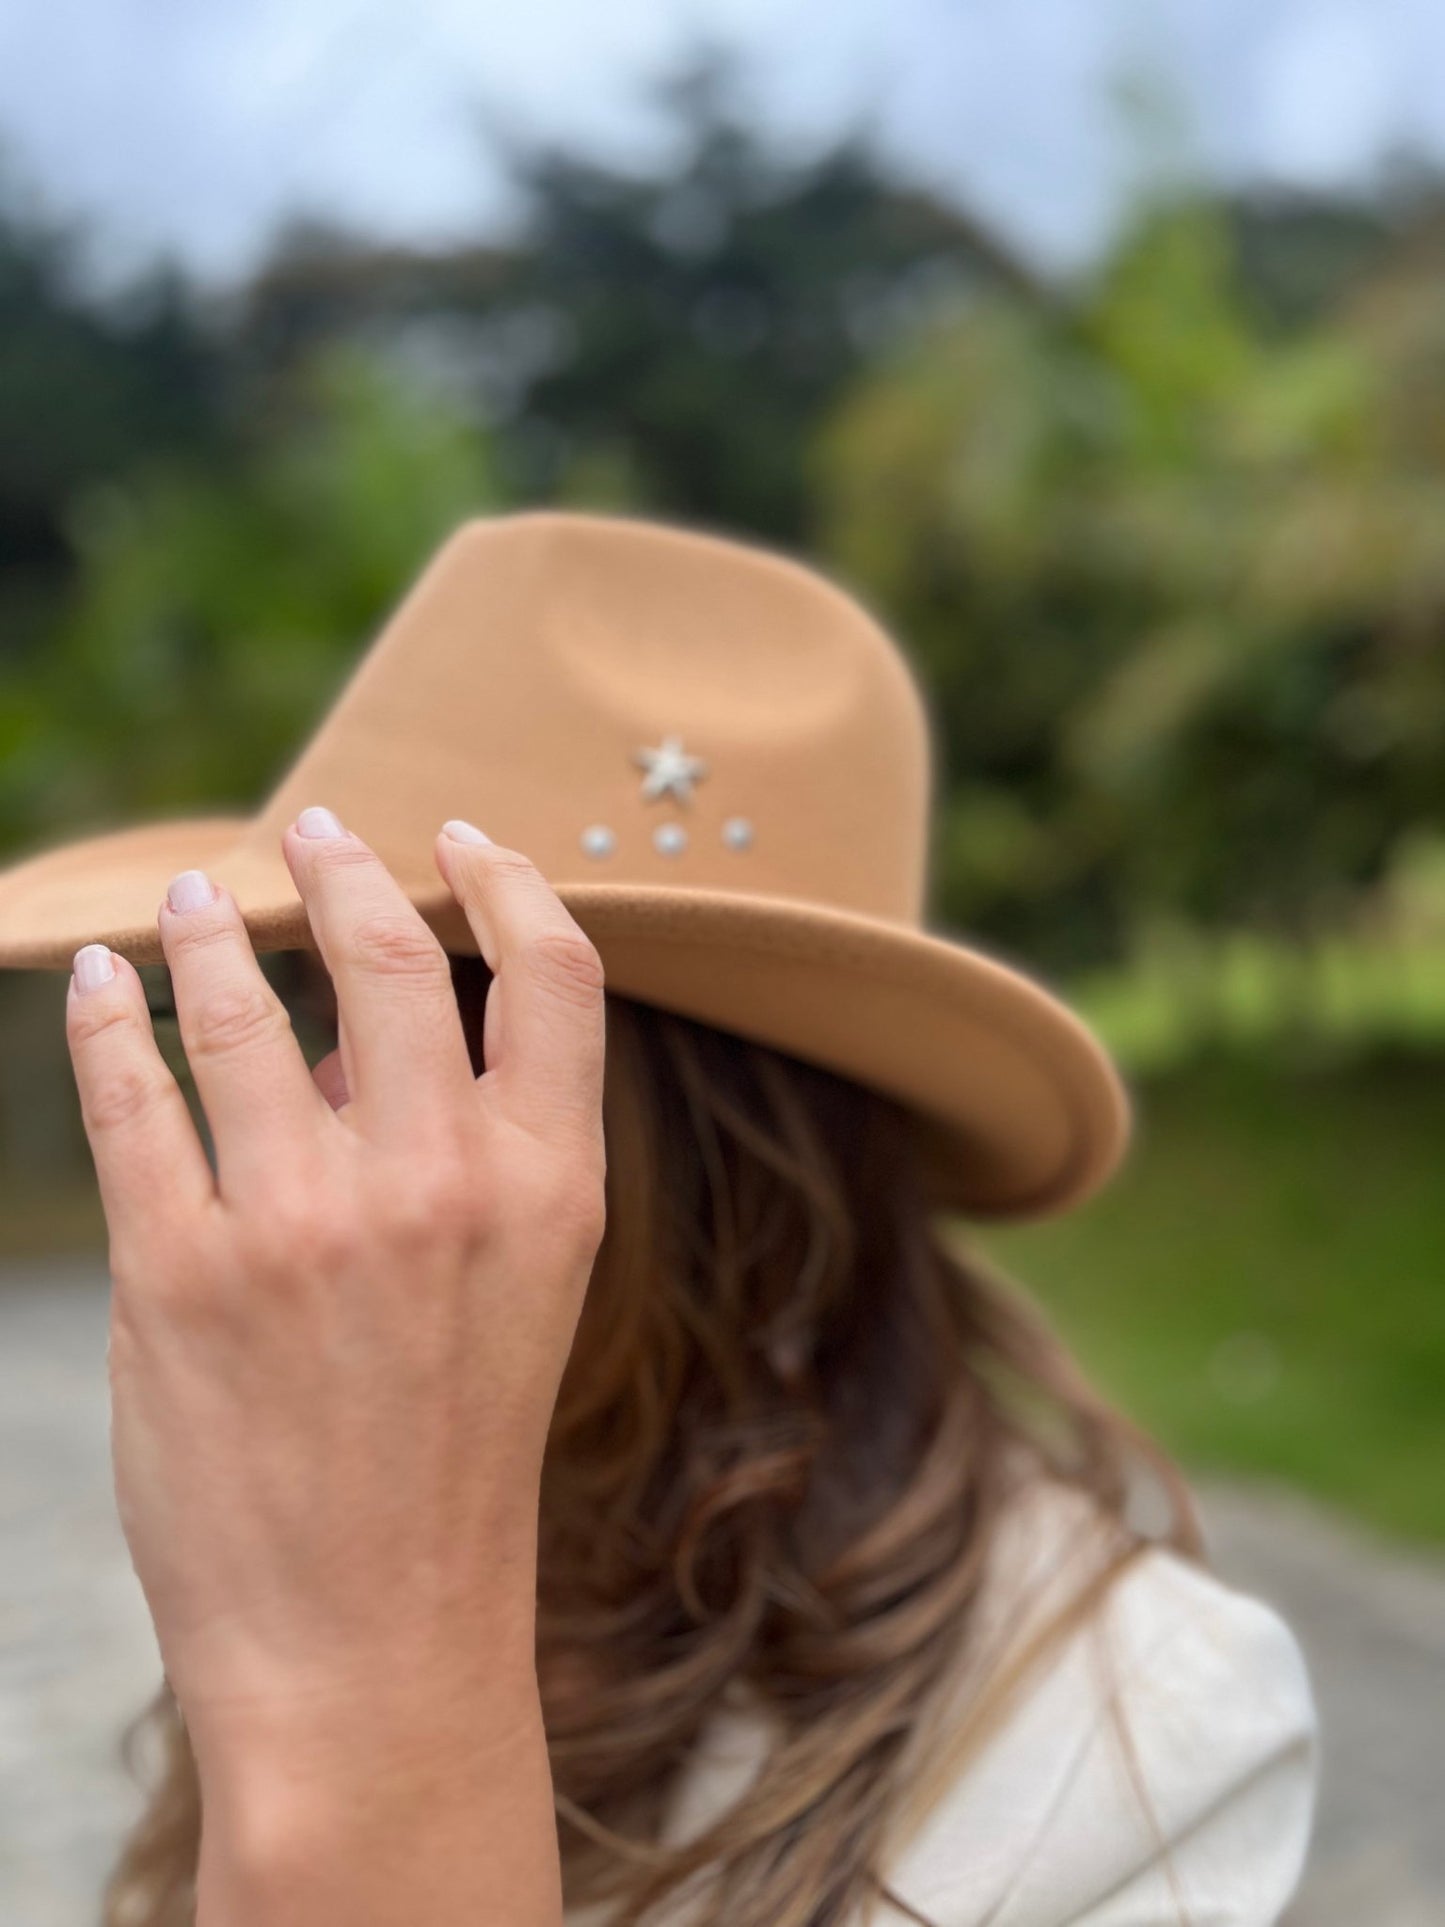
(1264, 1286)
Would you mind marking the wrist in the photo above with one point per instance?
(300, 1700)
(385, 1815)
(356, 1772)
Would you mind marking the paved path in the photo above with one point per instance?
(77, 1657)
(1372, 1623)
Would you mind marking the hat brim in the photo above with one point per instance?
(1022, 1113)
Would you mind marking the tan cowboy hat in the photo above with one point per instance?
(722, 765)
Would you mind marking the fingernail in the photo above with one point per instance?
(461, 832)
(93, 967)
(191, 890)
(318, 822)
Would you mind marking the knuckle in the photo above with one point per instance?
(233, 1017)
(400, 947)
(126, 1094)
(450, 1182)
(435, 1204)
(567, 962)
(585, 1212)
(336, 857)
(507, 866)
(171, 1270)
(197, 934)
(165, 1295)
(123, 1343)
(315, 1249)
(299, 1240)
(569, 1201)
(92, 1020)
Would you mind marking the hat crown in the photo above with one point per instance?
(631, 703)
(722, 764)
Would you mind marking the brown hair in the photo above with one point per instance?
(793, 1421)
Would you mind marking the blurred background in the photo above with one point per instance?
(1100, 347)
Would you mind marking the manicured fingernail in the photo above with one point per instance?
(191, 890)
(461, 832)
(317, 822)
(93, 967)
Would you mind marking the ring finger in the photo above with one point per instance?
(257, 1093)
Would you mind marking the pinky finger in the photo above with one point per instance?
(148, 1156)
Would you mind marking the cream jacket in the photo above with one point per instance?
(1180, 1692)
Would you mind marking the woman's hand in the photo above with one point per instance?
(333, 1366)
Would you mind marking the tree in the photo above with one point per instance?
(87, 386)
(216, 612)
(672, 337)
(1173, 576)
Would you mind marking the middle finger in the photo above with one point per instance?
(402, 1043)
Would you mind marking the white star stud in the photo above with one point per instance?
(670, 770)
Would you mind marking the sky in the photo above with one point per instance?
(192, 127)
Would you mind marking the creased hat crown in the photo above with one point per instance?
(631, 702)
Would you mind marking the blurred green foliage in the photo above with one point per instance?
(217, 609)
(86, 388)
(1176, 580)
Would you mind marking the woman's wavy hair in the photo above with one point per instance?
(794, 1418)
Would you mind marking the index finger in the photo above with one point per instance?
(546, 1043)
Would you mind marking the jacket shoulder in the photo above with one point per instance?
(1158, 1765)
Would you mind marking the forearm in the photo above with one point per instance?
(393, 1813)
